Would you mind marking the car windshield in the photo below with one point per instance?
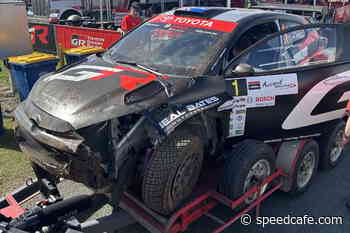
(173, 45)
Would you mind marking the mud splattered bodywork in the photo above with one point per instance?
(102, 121)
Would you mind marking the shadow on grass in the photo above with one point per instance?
(7, 140)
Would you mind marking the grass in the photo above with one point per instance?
(14, 167)
(4, 80)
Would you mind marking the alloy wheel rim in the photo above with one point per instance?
(337, 148)
(257, 173)
(306, 169)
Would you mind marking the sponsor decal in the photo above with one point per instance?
(240, 111)
(209, 24)
(237, 121)
(313, 108)
(248, 102)
(87, 41)
(263, 101)
(173, 116)
(281, 84)
(254, 85)
(236, 102)
(278, 84)
(239, 132)
(170, 122)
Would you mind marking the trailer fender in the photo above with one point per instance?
(287, 157)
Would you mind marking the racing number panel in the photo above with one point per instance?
(285, 101)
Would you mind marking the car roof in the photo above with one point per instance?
(228, 14)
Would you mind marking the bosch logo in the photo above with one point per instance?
(264, 98)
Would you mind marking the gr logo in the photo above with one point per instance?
(78, 41)
(325, 101)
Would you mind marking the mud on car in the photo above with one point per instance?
(192, 87)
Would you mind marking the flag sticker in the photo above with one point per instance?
(254, 85)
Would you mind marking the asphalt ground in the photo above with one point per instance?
(325, 198)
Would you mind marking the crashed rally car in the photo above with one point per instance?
(186, 87)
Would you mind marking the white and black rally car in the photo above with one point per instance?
(189, 86)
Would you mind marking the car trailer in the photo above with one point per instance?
(61, 215)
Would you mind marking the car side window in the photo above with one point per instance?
(250, 37)
(302, 47)
(284, 24)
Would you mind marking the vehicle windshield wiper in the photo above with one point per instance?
(144, 67)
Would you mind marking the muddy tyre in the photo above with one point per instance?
(331, 151)
(250, 162)
(305, 168)
(172, 171)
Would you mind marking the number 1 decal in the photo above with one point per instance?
(239, 87)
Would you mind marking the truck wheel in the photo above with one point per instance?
(305, 168)
(250, 163)
(172, 171)
(331, 151)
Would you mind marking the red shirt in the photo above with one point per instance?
(348, 107)
(129, 22)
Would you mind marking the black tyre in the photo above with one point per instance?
(172, 171)
(331, 151)
(249, 164)
(305, 168)
(68, 13)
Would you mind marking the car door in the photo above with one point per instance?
(292, 84)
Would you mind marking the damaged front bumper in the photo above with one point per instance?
(67, 155)
(65, 144)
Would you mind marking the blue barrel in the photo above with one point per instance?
(76, 54)
(26, 70)
(72, 58)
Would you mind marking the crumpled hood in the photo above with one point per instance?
(91, 92)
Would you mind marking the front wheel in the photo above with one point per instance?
(172, 171)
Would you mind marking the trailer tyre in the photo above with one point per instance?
(250, 162)
(305, 168)
(331, 151)
(172, 171)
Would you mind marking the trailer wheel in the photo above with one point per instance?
(305, 168)
(172, 171)
(331, 151)
(250, 163)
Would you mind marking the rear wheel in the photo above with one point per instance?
(172, 171)
(250, 163)
(306, 167)
(331, 151)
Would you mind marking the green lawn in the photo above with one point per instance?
(3, 75)
(14, 167)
